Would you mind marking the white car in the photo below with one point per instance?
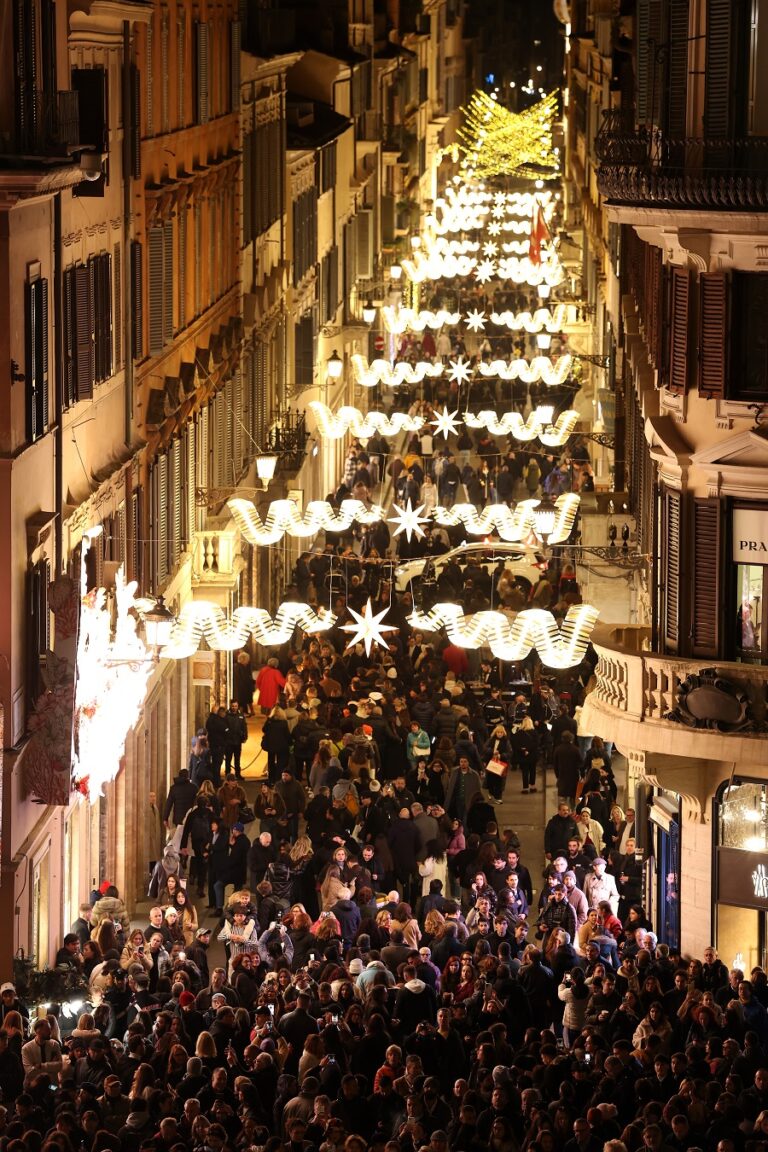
(524, 563)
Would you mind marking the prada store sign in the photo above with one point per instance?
(742, 878)
(750, 535)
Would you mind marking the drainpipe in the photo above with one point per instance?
(128, 134)
(58, 405)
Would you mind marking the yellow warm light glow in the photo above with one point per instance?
(284, 516)
(537, 425)
(400, 320)
(200, 620)
(510, 524)
(533, 628)
(539, 368)
(497, 141)
(382, 372)
(362, 425)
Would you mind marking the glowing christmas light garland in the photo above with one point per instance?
(283, 516)
(561, 647)
(363, 425)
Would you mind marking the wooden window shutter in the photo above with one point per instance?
(706, 583)
(190, 504)
(219, 443)
(120, 533)
(202, 72)
(137, 301)
(101, 281)
(718, 72)
(177, 500)
(162, 518)
(135, 539)
(671, 552)
(117, 265)
(680, 286)
(649, 69)
(84, 333)
(247, 225)
(676, 87)
(198, 265)
(165, 79)
(364, 244)
(181, 67)
(25, 54)
(181, 268)
(36, 374)
(201, 448)
(235, 42)
(135, 126)
(229, 446)
(713, 329)
(169, 271)
(156, 295)
(239, 417)
(70, 339)
(149, 82)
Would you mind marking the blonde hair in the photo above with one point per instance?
(302, 848)
(527, 724)
(205, 1047)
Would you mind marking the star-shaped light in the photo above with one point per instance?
(499, 211)
(408, 520)
(485, 270)
(494, 228)
(500, 198)
(476, 320)
(460, 370)
(446, 423)
(491, 248)
(368, 630)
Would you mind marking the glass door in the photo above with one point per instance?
(751, 619)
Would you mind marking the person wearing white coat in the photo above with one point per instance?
(601, 886)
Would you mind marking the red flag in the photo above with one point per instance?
(538, 234)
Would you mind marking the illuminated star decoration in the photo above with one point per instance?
(499, 211)
(408, 520)
(368, 630)
(476, 321)
(485, 270)
(446, 423)
(494, 228)
(500, 197)
(490, 249)
(460, 371)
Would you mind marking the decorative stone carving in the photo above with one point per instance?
(707, 700)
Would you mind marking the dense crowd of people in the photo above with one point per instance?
(396, 977)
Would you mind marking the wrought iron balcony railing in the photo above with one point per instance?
(47, 123)
(642, 165)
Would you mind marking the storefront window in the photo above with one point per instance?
(751, 620)
(743, 815)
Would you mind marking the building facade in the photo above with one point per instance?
(196, 198)
(667, 170)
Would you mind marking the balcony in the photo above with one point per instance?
(702, 709)
(215, 557)
(48, 124)
(641, 165)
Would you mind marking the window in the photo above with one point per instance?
(137, 300)
(305, 349)
(87, 327)
(161, 286)
(38, 629)
(329, 285)
(749, 337)
(751, 617)
(304, 233)
(91, 87)
(202, 73)
(36, 374)
(328, 168)
(263, 158)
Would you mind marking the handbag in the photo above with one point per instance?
(247, 814)
(497, 767)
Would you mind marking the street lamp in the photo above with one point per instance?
(335, 366)
(544, 341)
(369, 312)
(266, 463)
(158, 625)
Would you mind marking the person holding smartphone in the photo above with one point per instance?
(135, 952)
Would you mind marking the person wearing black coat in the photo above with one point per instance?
(181, 797)
(348, 915)
(235, 870)
(196, 834)
(403, 840)
(525, 743)
(217, 855)
(276, 742)
(216, 727)
(237, 734)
